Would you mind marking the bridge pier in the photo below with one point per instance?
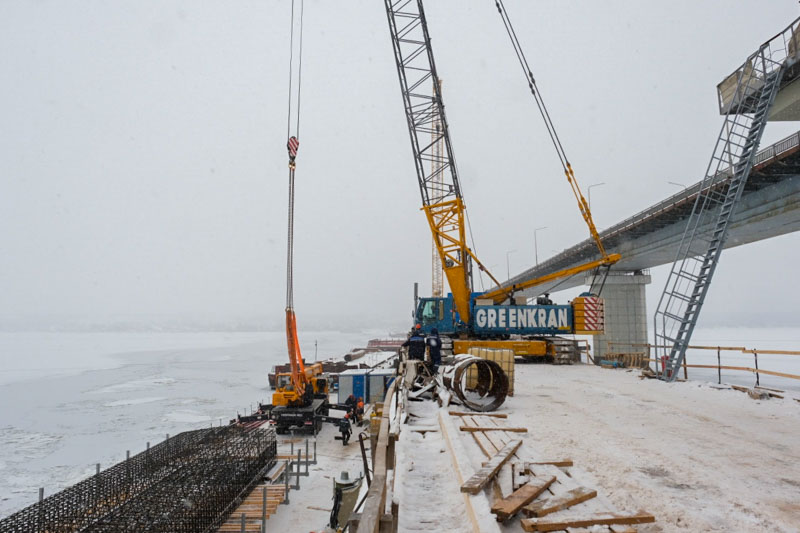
(625, 312)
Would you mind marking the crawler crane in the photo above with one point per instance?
(490, 319)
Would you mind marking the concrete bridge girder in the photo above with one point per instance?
(768, 212)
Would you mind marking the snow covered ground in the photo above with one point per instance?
(698, 458)
(713, 459)
(70, 400)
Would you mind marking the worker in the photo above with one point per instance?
(350, 402)
(416, 344)
(360, 409)
(434, 349)
(344, 428)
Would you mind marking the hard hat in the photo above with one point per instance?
(418, 326)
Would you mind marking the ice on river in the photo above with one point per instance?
(71, 400)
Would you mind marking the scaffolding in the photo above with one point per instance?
(188, 483)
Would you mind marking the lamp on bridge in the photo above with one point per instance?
(589, 192)
(508, 267)
(536, 244)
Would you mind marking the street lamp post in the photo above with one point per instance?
(589, 192)
(536, 244)
(508, 265)
(678, 184)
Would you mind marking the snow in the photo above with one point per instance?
(697, 457)
(309, 509)
(425, 483)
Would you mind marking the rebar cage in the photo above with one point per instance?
(188, 483)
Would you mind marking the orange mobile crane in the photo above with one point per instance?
(302, 394)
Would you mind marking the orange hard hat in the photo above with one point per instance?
(418, 326)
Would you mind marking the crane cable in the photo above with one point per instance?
(292, 145)
(551, 130)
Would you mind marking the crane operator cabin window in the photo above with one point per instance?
(432, 311)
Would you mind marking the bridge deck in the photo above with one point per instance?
(769, 207)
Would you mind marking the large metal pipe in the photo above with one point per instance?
(483, 389)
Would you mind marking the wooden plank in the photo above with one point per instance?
(484, 444)
(560, 462)
(557, 503)
(485, 428)
(505, 509)
(603, 519)
(495, 415)
(479, 480)
(494, 438)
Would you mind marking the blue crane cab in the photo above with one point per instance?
(494, 320)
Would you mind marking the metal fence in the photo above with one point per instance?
(188, 483)
(757, 370)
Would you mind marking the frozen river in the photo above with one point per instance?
(71, 400)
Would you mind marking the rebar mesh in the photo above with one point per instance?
(188, 483)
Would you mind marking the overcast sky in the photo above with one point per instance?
(143, 160)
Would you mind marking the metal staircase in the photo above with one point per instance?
(745, 98)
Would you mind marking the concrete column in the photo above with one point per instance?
(625, 313)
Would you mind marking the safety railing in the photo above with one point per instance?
(756, 370)
(373, 517)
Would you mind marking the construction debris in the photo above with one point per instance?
(495, 415)
(512, 430)
(561, 462)
(479, 480)
(602, 519)
(508, 507)
(557, 503)
(531, 480)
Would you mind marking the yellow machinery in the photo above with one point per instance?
(304, 382)
(442, 199)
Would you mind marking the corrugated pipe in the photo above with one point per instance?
(486, 388)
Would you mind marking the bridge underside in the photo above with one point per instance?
(770, 206)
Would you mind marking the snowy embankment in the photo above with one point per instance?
(698, 458)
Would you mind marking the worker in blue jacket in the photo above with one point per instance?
(434, 349)
(416, 344)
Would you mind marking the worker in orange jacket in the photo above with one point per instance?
(360, 409)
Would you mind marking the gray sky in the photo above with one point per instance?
(143, 161)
